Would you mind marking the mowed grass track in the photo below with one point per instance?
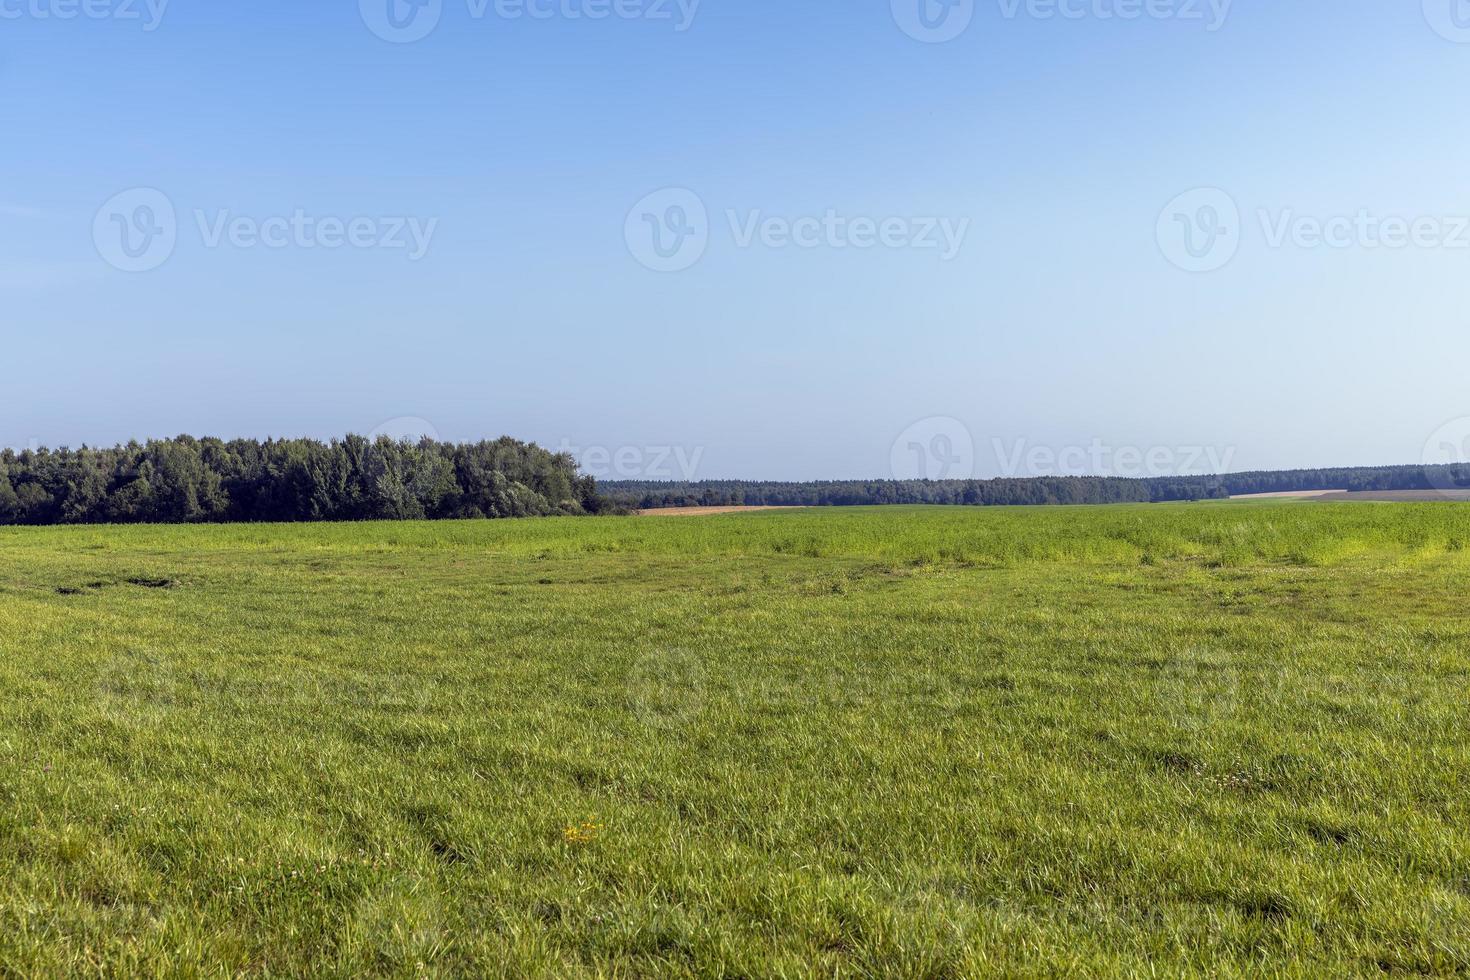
(1215, 739)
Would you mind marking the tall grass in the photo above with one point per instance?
(1211, 533)
(1225, 740)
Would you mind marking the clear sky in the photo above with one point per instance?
(868, 237)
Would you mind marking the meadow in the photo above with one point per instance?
(1225, 739)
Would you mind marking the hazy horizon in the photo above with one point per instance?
(677, 464)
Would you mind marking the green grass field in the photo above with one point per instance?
(1212, 739)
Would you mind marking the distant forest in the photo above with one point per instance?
(647, 495)
(185, 480)
(854, 493)
(188, 480)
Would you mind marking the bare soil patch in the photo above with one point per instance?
(1398, 496)
(704, 511)
(1284, 494)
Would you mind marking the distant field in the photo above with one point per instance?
(1216, 739)
(1347, 496)
(1399, 496)
(1286, 494)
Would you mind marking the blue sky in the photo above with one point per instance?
(1058, 327)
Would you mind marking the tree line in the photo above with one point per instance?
(641, 495)
(188, 480)
(1360, 478)
(651, 495)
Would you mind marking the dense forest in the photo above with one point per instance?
(1456, 477)
(353, 479)
(1038, 490)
